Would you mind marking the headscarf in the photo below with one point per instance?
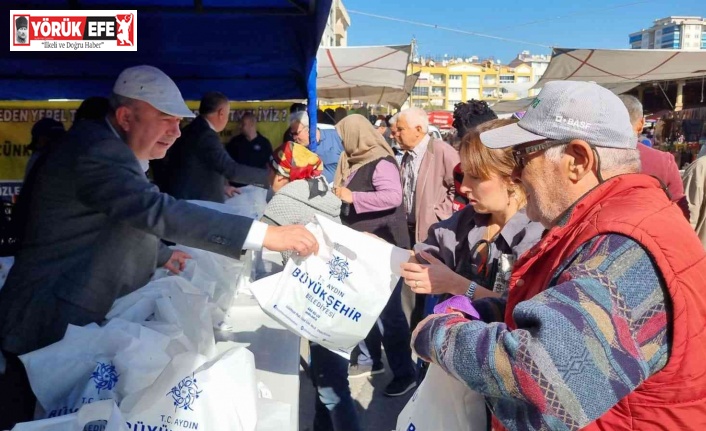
(362, 144)
(296, 162)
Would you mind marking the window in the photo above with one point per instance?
(472, 93)
(452, 103)
(489, 80)
(472, 81)
(438, 92)
(455, 91)
(489, 93)
(507, 79)
(420, 91)
(454, 77)
(523, 79)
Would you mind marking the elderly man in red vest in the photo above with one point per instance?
(603, 327)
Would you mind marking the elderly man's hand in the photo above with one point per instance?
(177, 262)
(295, 238)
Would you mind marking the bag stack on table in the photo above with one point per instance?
(155, 357)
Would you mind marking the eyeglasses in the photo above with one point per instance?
(299, 131)
(520, 155)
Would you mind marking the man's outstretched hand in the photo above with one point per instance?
(291, 238)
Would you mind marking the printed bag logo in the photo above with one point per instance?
(105, 377)
(338, 268)
(72, 30)
(185, 393)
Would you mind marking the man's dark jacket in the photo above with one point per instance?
(93, 234)
(198, 166)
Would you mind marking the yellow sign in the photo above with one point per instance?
(18, 117)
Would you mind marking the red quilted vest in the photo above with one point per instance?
(635, 206)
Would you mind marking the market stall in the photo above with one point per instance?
(203, 45)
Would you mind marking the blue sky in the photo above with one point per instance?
(584, 24)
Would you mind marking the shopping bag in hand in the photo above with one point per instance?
(443, 403)
(333, 298)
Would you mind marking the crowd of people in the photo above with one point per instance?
(569, 238)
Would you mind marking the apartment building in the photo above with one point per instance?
(336, 31)
(673, 32)
(443, 83)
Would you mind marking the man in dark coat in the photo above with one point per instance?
(94, 227)
(199, 165)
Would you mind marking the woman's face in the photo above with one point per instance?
(486, 196)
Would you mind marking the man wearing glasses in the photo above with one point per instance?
(328, 144)
(603, 325)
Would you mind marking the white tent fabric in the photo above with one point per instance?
(373, 74)
(623, 65)
(374, 95)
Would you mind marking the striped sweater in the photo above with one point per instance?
(581, 345)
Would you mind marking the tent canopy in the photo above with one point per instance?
(624, 65)
(247, 49)
(512, 106)
(373, 74)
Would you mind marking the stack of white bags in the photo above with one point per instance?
(154, 364)
(156, 357)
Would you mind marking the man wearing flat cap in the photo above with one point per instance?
(21, 27)
(95, 224)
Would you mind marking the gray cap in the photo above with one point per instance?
(151, 85)
(566, 110)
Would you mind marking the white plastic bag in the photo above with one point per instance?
(335, 297)
(98, 411)
(175, 307)
(93, 363)
(194, 393)
(443, 403)
(250, 202)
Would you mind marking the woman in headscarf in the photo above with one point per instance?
(300, 193)
(368, 182)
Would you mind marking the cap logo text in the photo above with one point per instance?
(572, 122)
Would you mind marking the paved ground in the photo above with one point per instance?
(376, 412)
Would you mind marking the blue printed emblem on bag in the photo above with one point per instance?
(104, 376)
(338, 268)
(185, 393)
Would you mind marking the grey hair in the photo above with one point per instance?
(612, 160)
(299, 117)
(393, 119)
(633, 106)
(416, 117)
(116, 101)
